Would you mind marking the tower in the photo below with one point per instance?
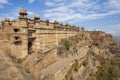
(56, 24)
(56, 32)
(23, 17)
(24, 31)
(37, 19)
(37, 26)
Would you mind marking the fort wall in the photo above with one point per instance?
(34, 34)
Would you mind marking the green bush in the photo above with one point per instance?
(103, 75)
(108, 71)
(66, 44)
(76, 67)
(85, 63)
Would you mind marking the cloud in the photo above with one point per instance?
(49, 3)
(54, 3)
(114, 29)
(14, 12)
(2, 2)
(31, 1)
(115, 26)
(30, 13)
(114, 3)
(77, 10)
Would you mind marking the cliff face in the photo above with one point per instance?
(117, 39)
(107, 52)
(88, 56)
(101, 56)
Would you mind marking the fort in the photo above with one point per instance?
(26, 35)
(35, 49)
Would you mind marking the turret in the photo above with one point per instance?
(47, 21)
(6, 22)
(24, 30)
(67, 26)
(22, 14)
(37, 19)
(56, 24)
(23, 17)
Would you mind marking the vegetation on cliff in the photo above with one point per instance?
(85, 63)
(66, 43)
(110, 64)
(109, 70)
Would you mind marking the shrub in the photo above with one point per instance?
(108, 71)
(76, 67)
(66, 43)
(85, 63)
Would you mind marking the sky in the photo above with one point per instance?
(103, 15)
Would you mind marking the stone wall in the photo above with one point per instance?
(34, 34)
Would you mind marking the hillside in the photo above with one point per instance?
(90, 55)
(117, 39)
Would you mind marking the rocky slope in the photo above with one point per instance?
(117, 39)
(10, 70)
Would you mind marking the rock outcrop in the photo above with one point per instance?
(9, 70)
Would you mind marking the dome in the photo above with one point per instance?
(56, 21)
(6, 19)
(36, 16)
(47, 20)
(67, 24)
(22, 10)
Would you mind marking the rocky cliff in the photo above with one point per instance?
(90, 55)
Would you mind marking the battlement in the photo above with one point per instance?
(23, 20)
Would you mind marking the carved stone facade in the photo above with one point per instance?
(34, 34)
